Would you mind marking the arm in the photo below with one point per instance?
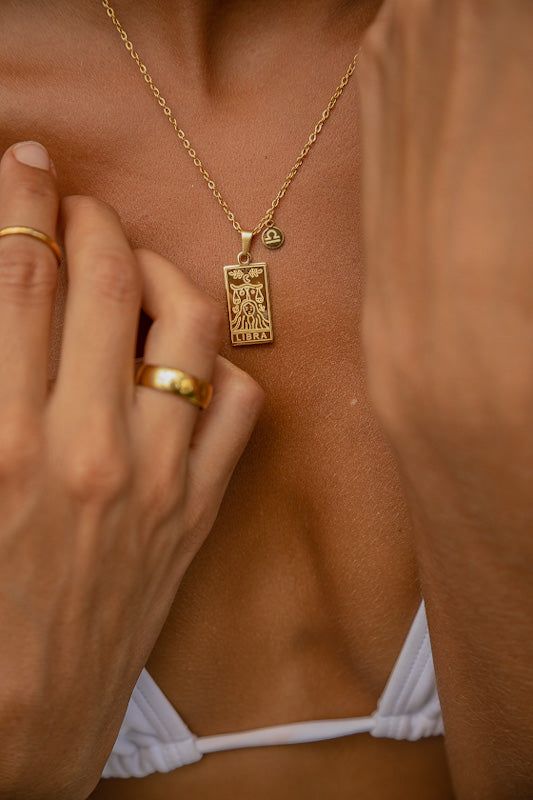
(103, 499)
(447, 118)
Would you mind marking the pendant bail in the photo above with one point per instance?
(245, 256)
(246, 241)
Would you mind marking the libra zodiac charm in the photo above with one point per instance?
(250, 320)
(272, 237)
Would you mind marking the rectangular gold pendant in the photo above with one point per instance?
(250, 319)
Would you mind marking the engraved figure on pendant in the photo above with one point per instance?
(249, 312)
(248, 304)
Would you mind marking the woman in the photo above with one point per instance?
(298, 604)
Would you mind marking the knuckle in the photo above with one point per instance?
(97, 467)
(203, 318)
(197, 520)
(114, 276)
(405, 10)
(38, 187)
(374, 48)
(163, 494)
(86, 205)
(379, 39)
(93, 474)
(248, 392)
(27, 270)
(143, 252)
(20, 446)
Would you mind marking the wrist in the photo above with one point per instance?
(63, 770)
(428, 392)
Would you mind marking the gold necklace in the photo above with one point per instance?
(247, 291)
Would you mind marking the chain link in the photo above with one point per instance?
(266, 219)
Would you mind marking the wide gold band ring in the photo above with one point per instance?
(16, 230)
(169, 379)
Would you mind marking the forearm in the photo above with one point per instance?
(474, 541)
(448, 332)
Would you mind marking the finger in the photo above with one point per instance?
(186, 334)
(103, 305)
(28, 274)
(371, 85)
(223, 432)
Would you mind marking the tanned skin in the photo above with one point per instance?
(298, 603)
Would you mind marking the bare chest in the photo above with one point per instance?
(313, 531)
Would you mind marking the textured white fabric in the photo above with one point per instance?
(154, 738)
(409, 707)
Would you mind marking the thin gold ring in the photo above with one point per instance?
(175, 381)
(24, 230)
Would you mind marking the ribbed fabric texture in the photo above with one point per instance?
(154, 738)
(409, 707)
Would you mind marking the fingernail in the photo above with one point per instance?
(33, 154)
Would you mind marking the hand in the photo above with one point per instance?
(447, 122)
(107, 489)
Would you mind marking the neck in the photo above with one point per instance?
(224, 44)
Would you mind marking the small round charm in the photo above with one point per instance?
(272, 237)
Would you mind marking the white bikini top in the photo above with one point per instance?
(154, 738)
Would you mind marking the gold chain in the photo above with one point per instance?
(266, 219)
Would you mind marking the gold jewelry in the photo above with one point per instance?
(23, 230)
(169, 379)
(250, 318)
